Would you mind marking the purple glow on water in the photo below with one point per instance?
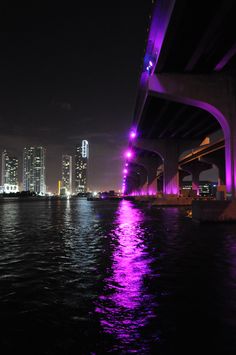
(125, 307)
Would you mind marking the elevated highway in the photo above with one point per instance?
(187, 86)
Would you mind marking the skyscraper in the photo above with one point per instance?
(81, 167)
(9, 173)
(34, 170)
(67, 173)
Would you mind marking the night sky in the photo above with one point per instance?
(71, 72)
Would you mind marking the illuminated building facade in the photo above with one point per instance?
(9, 173)
(81, 167)
(67, 173)
(34, 170)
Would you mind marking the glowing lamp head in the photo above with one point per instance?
(125, 171)
(132, 134)
(128, 154)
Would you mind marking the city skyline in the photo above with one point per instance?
(34, 179)
(81, 167)
(34, 171)
(48, 85)
(67, 173)
(9, 178)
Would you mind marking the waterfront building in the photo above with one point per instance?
(67, 173)
(9, 173)
(81, 167)
(206, 188)
(34, 170)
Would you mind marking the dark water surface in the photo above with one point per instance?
(82, 277)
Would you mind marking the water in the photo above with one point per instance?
(83, 277)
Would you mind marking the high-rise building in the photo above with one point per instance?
(9, 173)
(81, 167)
(67, 173)
(34, 170)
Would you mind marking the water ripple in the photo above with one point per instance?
(106, 277)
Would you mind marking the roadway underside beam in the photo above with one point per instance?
(214, 93)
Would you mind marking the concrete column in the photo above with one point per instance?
(169, 150)
(221, 174)
(151, 164)
(195, 182)
(195, 168)
(140, 175)
(214, 93)
(144, 189)
(132, 184)
(217, 159)
(152, 180)
(171, 169)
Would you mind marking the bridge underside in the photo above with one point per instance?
(165, 119)
(187, 89)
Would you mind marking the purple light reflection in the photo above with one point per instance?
(126, 305)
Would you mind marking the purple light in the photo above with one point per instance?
(129, 154)
(132, 134)
(125, 171)
(131, 264)
(126, 164)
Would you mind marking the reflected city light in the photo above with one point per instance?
(126, 305)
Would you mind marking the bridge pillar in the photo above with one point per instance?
(171, 169)
(220, 165)
(150, 164)
(139, 174)
(169, 150)
(214, 93)
(195, 168)
(132, 184)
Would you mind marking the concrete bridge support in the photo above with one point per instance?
(214, 93)
(132, 184)
(219, 163)
(150, 164)
(140, 174)
(169, 150)
(195, 168)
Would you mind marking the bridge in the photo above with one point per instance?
(200, 159)
(186, 93)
